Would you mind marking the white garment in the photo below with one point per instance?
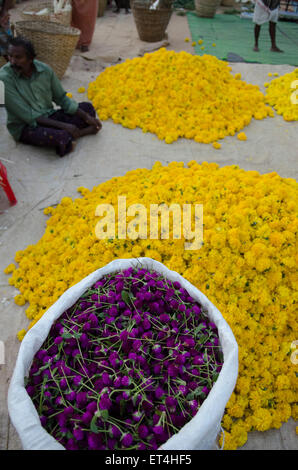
(263, 14)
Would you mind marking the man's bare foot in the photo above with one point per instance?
(276, 49)
(256, 49)
(73, 146)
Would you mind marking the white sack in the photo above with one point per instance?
(198, 434)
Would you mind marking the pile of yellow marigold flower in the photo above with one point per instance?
(246, 267)
(177, 95)
(282, 94)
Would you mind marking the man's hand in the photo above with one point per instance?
(73, 130)
(91, 121)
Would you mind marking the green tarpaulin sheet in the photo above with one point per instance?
(234, 39)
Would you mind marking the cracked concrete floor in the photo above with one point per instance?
(39, 178)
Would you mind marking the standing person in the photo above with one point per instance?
(31, 88)
(4, 27)
(266, 11)
(84, 14)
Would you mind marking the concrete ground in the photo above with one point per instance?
(40, 179)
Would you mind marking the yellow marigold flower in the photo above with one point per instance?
(216, 145)
(19, 300)
(282, 94)
(81, 89)
(200, 41)
(242, 136)
(186, 39)
(214, 45)
(193, 43)
(238, 76)
(275, 74)
(69, 94)
(171, 94)
(21, 334)
(262, 419)
(246, 267)
(202, 48)
(10, 268)
(269, 74)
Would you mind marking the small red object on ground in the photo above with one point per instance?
(4, 183)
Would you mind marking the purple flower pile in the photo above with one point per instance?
(126, 366)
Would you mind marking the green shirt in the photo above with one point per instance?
(28, 98)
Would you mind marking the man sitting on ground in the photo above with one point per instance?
(31, 87)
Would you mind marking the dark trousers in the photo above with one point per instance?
(59, 139)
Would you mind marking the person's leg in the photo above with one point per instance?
(48, 137)
(257, 34)
(60, 115)
(272, 32)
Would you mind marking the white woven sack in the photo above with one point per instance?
(199, 433)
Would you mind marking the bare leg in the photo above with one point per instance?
(272, 32)
(257, 34)
(88, 131)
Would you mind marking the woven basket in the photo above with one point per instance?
(206, 8)
(102, 5)
(54, 43)
(228, 3)
(151, 24)
(64, 17)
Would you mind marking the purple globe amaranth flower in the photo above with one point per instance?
(81, 398)
(137, 343)
(30, 390)
(106, 380)
(157, 369)
(143, 431)
(136, 416)
(127, 439)
(63, 384)
(157, 429)
(78, 434)
(113, 311)
(198, 360)
(91, 407)
(172, 370)
(159, 392)
(105, 403)
(93, 320)
(196, 310)
(205, 390)
(164, 318)
(87, 417)
(171, 401)
(183, 389)
(71, 445)
(125, 381)
(114, 431)
(43, 420)
(71, 396)
(94, 441)
(58, 340)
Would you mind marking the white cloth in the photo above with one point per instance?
(263, 14)
(199, 433)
